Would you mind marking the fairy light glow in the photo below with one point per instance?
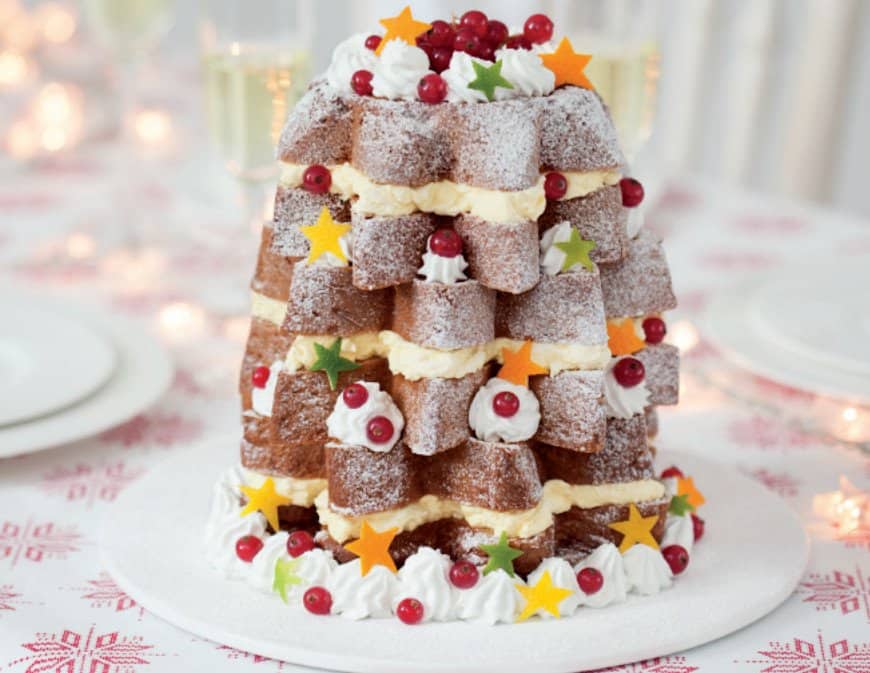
(22, 141)
(14, 68)
(152, 127)
(847, 509)
(684, 335)
(21, 31)
(850, 414)
(182, 321)
(57, 22)
(80, 246)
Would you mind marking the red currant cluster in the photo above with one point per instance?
(478, 35)
(474, 34)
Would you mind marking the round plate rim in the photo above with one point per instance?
(100, 369)
(721, 324)
(143, 374)
(788, 575)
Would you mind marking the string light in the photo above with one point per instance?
(684, 335)
(153, 127)
(847, 509)
(57, 22)
(850, 414)
(182, 321)
(80, 246)
(22, 141)
(14, 68)
(20, 32)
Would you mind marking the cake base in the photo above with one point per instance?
(738, 574)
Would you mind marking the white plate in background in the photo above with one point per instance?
(48, 360)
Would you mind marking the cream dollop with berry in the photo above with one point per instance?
(365, 415)
(424, 577)
(563, 577)
(492, 600)
(646, 570)
(525, 70)
(263, 383)
(504, 412)
(625, 393)
(348, 57)
(606, 570)
(443, 261)
(398, 71)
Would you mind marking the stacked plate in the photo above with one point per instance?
(68, 372)
(807, 326)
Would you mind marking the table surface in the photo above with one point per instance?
(57, 605)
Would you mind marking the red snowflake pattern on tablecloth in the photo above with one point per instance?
(848, 593)
(9, 599)
(90, 483)
(676, 664)
(781, 483)
(768, 433)
(154, 429)
(87, 652)
(36, 542)
(185, 382)
(104, 592)
(240, 655)
(817, 656)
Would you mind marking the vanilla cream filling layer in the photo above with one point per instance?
(417, 362)
(446, 197)
(557, 497)
(266, 308)
(301, 492)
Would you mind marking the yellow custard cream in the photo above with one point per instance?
(449, 198)
(417, 362)
(558, 496)
(301, 492)
(266, 308)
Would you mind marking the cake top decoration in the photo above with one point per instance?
(264, 499)
(622, 337)
(518, 365)
(544, 595)
(373, 548)
(501, 556)
(686, 486)
(469, 59)
(329, 360)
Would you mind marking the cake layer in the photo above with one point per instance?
(501, 145)
(640, 284)
(557, 497)
(624, 457)
(267, 344)
(445, 197)
(572, 415)
(273, 272)
(296, 208)
(662, 365)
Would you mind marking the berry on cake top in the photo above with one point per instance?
(470, 59)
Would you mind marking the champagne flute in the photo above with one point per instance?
(256, 64)
(621, 36)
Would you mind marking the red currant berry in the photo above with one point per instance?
(485, 51)
(518, 42)
(673, 471)
(317, 179)
(496, 33)
(439, 58)
(355, 395)
(260, 376)
(373, 42)
(410, 611)
(317, 600)
(248, 547)
(466, 41)
(632, 192)
(476, 21)
(432, 88)
(445, 243)
(697, 527)
(464, 574)
(628, 372)
(590, 580)
(677, 558)
(361, 82)
(505, 404)
(538, 28)
(441, 34)
(654, 330)
(555, 186)
(380, 430)
(299, 542)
